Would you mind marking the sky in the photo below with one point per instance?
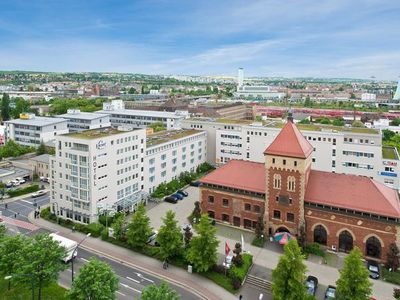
(290, 38)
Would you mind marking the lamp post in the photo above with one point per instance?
(24, 275)
(73, 256)
(56, 211)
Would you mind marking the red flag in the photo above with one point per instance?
(227, 249)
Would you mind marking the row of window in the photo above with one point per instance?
(226, 203)
(358, 154)
(289, 216)
(274, 161)
(291, 182)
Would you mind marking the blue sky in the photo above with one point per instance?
(291, 38)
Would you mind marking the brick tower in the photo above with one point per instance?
(287, 164)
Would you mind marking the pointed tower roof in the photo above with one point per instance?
(290, 142)
(397, 94)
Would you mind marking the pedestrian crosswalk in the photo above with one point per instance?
(19, 223)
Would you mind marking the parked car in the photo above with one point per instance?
(311, 284)
(9, 184)
(195, 183)
(183, 193)
(171, 199)
(152, 237)
(15, 183)
(373, 269)
(38, 194)
(184, 226)
(228, 261)
(20, 180)
(330, 293)
(178, 196)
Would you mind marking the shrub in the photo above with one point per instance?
(241, 272)
(94, 229)
(258, 242)
(236, 283)
(219, 269)
(45, 213)
(23, 191)
(104, 234)
(314, 248)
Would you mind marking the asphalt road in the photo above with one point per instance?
(131, 281)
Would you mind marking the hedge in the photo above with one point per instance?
(314, 248)
(23, 191)
(241, 272)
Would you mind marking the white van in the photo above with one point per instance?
(68, 244)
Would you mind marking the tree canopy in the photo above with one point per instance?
(289, 275)
(12, 149)
(162, 292)
(139, 228)
(96, 281)
(353, 283)
(5, 107)
(170, 236)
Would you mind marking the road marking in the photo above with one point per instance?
(129, 287)
(144, 278)
(118, 292)
(84, 259)
(134, 280)
(26, 201)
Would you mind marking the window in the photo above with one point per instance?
(225, 218)
(291, 184)
(290, 217)
(273, 160)
(257, 208)
(284, 162)
(210, 199)
(277, 181)
(211, 214)
(277, 214)
(247, 206)
(225, 202)
(295, 163)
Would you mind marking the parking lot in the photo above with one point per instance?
(182, 209)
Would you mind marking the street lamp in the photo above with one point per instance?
(73, 256)
(56, 211)
(24, 275)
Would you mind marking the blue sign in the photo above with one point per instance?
(389, 174)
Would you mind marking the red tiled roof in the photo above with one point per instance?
(352, 192)
(290, 142)
(239, 174)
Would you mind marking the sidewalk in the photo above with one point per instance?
(201, 286)
(9, 200)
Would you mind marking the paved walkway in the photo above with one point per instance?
(201, 286)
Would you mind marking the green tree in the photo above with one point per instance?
(170, 236)
(21, 106)
(388, 134)
(353, 282)
(289, 275)
(307, 102)
(395, 122)
(188, 234)
(5, 107)
(118, 227)
(11, 253)
(357, 123)
(41, 149)
(352, 96)
(157, 126)
(392, 261)
(163, 292)
(2, 231)
(196, 214)
(43, 260)
(132, 91)
(202, 253)
(139, 228)
(305, 121)
(338, 122)
(96, 280)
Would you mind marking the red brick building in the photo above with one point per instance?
(336, 210)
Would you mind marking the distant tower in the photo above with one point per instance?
(240, 78)
(397, 94)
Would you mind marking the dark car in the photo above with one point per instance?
(183, 193)
(373, 269)
(171, 199)
(195, 183)
(311, 284)
(178, 196)
(330, 293)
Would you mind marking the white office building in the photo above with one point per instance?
(355, 151)
(79, 121)
(142, 118)
(31, 130)
(109, 169)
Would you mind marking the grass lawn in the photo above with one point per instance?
(392, 277)
(221, 280)
(331, 259)
(18, 292)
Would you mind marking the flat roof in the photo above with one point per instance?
(44, 158)
(168, 135)
(142, 113)
(82, 115)
(389, 153)
(96, 133)
(37, 121)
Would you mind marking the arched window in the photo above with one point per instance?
(373, 247)
(277, 181)
(345, 241)
(291, 184)
(320, 235)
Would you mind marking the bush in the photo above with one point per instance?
(23, 191)
(392, 277)
(241, 272)
(104, 234)
(45, 213)
(314, 248)
(95, 229)
(236, 283)
(258, 242)
(219, 269)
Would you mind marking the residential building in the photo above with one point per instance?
(338, 211)
(356, 151)
(41, 165)
(79, 121)
(30, 130)
(142, 118)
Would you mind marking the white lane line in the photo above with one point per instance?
(118, 292)
(26, 201)
(144, 278)
(84, 259)
(131, 288)
(134, 280)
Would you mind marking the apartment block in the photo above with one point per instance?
(79, 121)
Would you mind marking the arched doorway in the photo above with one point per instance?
(373, 247)
(282, 229)
(320, 235)
(345, 241)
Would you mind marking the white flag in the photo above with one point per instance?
(242, 240)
